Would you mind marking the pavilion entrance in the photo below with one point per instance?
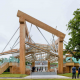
(41, 66)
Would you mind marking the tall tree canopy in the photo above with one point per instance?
(73, 27)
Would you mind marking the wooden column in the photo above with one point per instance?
(22, 46)
(48, 65)
(33, 64)
(60, 54)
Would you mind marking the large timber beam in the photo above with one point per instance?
(10, 52)
(40, 24)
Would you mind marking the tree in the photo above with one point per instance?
(74, 30)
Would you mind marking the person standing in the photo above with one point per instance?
(37, 69)
(78, 72)
(73, 72)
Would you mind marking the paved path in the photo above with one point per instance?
(46, 77)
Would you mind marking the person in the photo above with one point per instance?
(33, 69)
(73, 72)
(37, 69)
(78, 72)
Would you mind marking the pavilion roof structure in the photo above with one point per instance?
(37, 51)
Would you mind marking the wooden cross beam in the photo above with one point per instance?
(40, 24)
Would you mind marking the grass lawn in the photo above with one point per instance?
(67, 74)
(40, 79)
(7, 74)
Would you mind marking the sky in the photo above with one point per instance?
(52, 12)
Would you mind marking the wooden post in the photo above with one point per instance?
(60, 60)
(22, 46)
(33, 64)
(48, 65)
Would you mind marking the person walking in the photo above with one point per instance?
(73, 72)
(78, 72)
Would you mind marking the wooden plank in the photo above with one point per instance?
(22, 47)
(9, 52)
(40, 24)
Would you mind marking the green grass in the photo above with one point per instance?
(40, 79)
(67, 74)
(7, 74)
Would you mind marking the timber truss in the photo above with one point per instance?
(31, 51)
